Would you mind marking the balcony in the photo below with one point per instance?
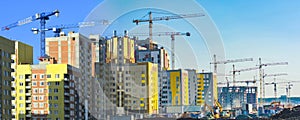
(28, 108)
(66, 86)
(67, 108)
(67, 100)
(67, 116)
(13, 93)
(67, 94)
(28, 115)
(28, 94)
(28, 105)
(27, 87)
(27, 80)
(13, 85)
(28, 101)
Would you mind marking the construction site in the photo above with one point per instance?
(126, 77)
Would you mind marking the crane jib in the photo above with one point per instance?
(25, 21)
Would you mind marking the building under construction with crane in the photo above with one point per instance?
(134, 76)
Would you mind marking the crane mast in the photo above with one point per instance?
(261, 81)
(172, 34)
(43, 17)
(274, 82)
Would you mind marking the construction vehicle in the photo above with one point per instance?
(39, 16)
(216, 112)
(172, 34)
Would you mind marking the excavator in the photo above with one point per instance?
(217, 111)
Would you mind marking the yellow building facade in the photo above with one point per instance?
(45, 91)
(179, 87)
(207, 89)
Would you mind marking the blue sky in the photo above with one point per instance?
(254, 28)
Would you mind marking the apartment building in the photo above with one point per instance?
(130, 87)
(177, 88)
(76, 50)
(207, 89)
(6, 49)
(47, 91)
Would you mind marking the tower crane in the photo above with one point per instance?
(260, 65)
(39, 16)
(215, 62)
(271, 75)
(287, 88)
(151, 19)
(234, 71)
(58, 28)
(172, 34)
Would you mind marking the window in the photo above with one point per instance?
(41, 105)
(21, 91)
(42, 97)
(49, 76)
(21, 84)
(21, 76)
(49, 90)
(56, 105)
(35, 112)
(55, 97)
(21, 98)
(41, 76)
(35, 104)
(21, 105)
(34, 76)
(55, 90)
(57, 83)
(41, 90)
(35, 90)
(56, 112)
(35, 97)
(34, 83)
(56, 75)
(49, 83)
(42, 83)
(49, 97)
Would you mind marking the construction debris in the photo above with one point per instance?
(288, 114)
